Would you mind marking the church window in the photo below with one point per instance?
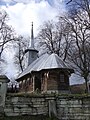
(62, 77)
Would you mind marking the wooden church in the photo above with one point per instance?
(47, 73)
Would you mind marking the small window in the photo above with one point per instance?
(61, 77)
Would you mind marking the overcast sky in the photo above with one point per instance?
(22, 13)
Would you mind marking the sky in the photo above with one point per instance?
(22, 13)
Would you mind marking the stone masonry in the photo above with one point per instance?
(63, 107)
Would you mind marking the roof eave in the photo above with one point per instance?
(66, 69)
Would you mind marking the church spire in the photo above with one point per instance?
(31, 51)
(32, 37)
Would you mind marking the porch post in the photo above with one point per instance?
(33, 78)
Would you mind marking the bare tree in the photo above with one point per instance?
(7, 35)
(66, 36)
(50, 37)
(78, 53)
(55, 38)
(46, 36)
(20, 58)
(76, 5)
(6, 31)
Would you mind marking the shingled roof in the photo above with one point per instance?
(46, 61)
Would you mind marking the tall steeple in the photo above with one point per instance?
(32, 37)
(32, 52)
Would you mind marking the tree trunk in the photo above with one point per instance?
(86, 84)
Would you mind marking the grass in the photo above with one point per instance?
(28, 118)
(60, 95)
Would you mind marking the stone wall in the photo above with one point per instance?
(73, 108)
(26, 106)
(64, 108)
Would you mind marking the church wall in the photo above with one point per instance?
(26, 84)
(52, 82)
(55, 82)
(45, 81)
(63, 83)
